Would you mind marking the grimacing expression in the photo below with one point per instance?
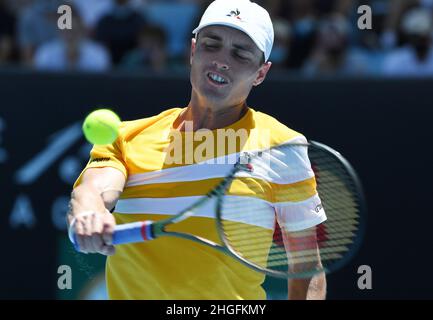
(225, 65)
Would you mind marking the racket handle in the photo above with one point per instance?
(125, 233)
(133, 232)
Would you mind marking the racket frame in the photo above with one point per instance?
(337, 265)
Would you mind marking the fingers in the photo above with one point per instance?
(108, 250)
(94, 233)
(87, 234)
(107, 234)
(108, 229)
(96, 241)
(79, 233)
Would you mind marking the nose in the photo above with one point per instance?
(221, 66)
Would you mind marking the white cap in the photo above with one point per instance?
(243, 15)
(418, 21)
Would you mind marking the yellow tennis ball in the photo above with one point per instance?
(101, 126)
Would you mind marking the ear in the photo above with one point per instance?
(263, 71)
(193, 45)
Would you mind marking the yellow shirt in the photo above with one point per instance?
(162, 181)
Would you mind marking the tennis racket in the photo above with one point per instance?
(248, 226)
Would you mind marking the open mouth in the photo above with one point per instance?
(216, 79)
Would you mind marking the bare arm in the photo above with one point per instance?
(90, 206)
(310, 288)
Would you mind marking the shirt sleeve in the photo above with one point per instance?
(295, 198)
(110, 155)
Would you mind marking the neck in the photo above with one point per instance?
(207, 116)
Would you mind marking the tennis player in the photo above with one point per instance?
(133, 179)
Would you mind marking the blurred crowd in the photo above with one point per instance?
(312, 37)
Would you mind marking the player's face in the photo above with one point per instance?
(225, 65)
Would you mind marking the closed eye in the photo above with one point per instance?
(210, 46)
(241, 57)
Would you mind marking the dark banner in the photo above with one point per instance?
(381, 127)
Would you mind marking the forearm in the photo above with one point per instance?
(85, 198)
(317, 288)
(308, 289)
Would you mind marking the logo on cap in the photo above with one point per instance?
(235, 14)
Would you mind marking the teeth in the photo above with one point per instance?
(216, 78)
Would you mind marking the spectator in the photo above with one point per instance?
(151, 51)
(280, 50)
(119, 29)
(7, 34)
(391, 36)
(332, 54)
(343, 7)
(303, 20)
(416, 57)
(92, 11)
(37, 24)
(176, 22)
(17, 6)
(72, 51)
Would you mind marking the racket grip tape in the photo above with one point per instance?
(133, 232)
(125, 233)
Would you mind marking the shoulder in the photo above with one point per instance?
(399, 55)
(284, 165)
(398, 61)
(96, 52)
(50, 46)
(48, 53)
(129, 129)
(93, 46)
(278, 132)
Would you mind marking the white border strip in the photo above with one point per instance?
(276, 167)
(172, 206)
